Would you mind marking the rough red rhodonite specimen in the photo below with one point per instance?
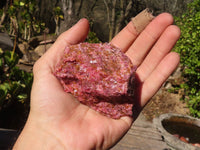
(99, 76)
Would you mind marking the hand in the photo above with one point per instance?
(58, 121)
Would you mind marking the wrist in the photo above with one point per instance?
(34, 137)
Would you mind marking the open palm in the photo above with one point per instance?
(61, 117)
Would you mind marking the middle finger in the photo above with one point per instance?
(141, 46)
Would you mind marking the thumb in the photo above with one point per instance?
(74, 35)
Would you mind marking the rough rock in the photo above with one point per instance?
(100, 76)
(41, 49)
(5, 42)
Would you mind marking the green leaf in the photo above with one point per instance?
(4, 88)
(9, 60)
(3, 94)
(1, 63)
(21, 3)
(1, 52)
(61, 17)
(22, 96)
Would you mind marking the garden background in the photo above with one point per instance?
(29, 27)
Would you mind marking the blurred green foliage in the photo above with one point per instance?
(92, 38)
(21, 19)
(58, 12)
(15, 86)
(189, 49)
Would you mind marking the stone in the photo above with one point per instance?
(5, 42)
(41, 49)
(100, 76)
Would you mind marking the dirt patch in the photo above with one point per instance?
(164, 102)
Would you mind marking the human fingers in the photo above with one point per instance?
(148, 37)
(161, 48)
(126, 37)
(160, 74)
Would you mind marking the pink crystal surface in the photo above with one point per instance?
(100, 76)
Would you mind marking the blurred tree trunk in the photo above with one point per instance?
(45, 12)
(71, 11)
(116, 14)
(5, 8)
(175, 7)
(125, 10)
(111, 8)
(107, 17)
(68, 10)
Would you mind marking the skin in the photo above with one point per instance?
(58, 121)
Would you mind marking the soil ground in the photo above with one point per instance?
(164, 102)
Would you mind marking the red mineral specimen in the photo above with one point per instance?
(100, 76)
